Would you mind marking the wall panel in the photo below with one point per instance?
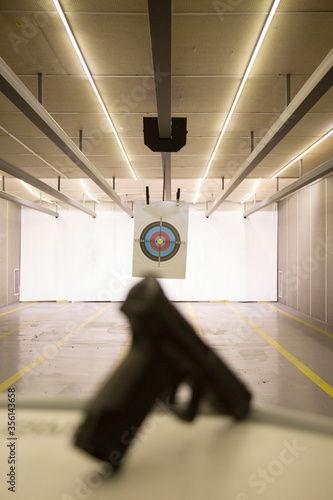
(282, 254)
(10, 242)
(308, 214)
(303, 276)
(291, 281)
(329, 249)
(3, 253)
(14, 247)
(316, 266)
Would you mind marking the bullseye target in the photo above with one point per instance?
(160, 239)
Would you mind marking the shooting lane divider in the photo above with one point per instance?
(17, 309)
(296, 362)
(14, 330)
(321, 330)
(14, 378)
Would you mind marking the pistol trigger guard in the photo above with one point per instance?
(186, 410)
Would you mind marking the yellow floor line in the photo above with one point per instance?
(194, 320)
(123, 353)
(3, 335)
(303, 368)
(11, 380)
(16, 309)
(321, 330)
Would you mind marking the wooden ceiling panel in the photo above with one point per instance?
(308, 6)
(283, 51)
(113, 44)
(204, 124)
(128, 95)
(76, 94)
(129, 124)
(203, 94)
(105, 6)
(213, 45)
(36, 42)
(221, 7)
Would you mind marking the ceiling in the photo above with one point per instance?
(212, 42)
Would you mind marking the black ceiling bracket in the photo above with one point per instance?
(156, 143)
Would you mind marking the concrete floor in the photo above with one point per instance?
(67, 349)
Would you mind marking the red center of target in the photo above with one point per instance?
(160, 248)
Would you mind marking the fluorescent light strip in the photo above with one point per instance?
(92, 83)
(36, 194)
(303, 154)
(87, 192)
(198, 192)
(253, 191)
(240, 89)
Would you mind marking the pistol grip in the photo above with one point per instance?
(114, 416)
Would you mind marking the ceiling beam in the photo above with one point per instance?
(12, 87)
(303, 181)
(27, 203)
(166, 159)
(17, 172)
(160, 35)
(315, 87)
(160, 20)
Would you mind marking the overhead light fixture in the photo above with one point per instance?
(198, 192)
(252, 192)
(36, 194)
(91, 81)
(87, 192)
(303, 154)
(240, 89)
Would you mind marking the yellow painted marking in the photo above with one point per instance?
(160, 241)
(194, 320)
(296, 362)
(17, 309)
(321, 330)
(14, 378)
(122, 355)
(3, 335)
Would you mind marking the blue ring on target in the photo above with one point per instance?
(160, 241)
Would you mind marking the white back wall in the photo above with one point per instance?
(78, 258)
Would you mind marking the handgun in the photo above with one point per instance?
(165, 354)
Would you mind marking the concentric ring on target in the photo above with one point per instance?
(160, 241)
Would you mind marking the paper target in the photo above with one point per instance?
(160, 239)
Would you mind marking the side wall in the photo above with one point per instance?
(76, 257)
(10, 242)
(305, 250)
